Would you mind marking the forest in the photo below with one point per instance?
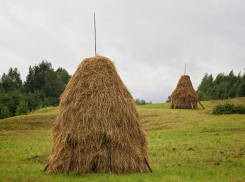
(43, 87)
(222, 87)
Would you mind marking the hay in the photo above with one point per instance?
(184, 96)
(97, 111)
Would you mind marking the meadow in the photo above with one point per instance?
(183, 145)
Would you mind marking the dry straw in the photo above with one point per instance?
(184, 96)
(97, 113)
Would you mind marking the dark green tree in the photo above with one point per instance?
(206, 83)
(241, 87)
(169, 99)
(51, 86)
(4, 112)
(11, 81)
(200, 95)
(219, 79)
(22, 108)
(29, 83)
(62, 75)
(62, 79)
(35, 79)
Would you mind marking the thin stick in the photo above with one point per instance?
(191, 102)
(95, 33)
(109, 158)
(167, 105)
(148, 165)
(185, 97)
(185, 68)
(176, 102)
(45, 168)
(201, 104)
(70, 161)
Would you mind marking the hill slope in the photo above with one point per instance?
(184, 145)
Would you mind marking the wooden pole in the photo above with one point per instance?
(191, 102)
(167, 105)
(176, 102)
(45, 168)
(109, 158)
(185, 105)
(95, 33)
(70, 161)
(185, 68)
(201, 104)
(148, 165)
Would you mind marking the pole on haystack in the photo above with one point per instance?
(191, 102)
(185, 68)
(148, 165)
(185, 91)
(201, 104)
(45, 168)
(167, 105)
(95, 33)
(70, 161)
(109, 158)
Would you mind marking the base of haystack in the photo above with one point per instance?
(105, 161)
(183, 107)
(109, 160)
(182, 103)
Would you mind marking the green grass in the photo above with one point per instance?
(184, 145)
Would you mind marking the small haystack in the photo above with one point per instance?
(184, 96)
(97, 125)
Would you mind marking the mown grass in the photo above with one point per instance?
(184, 145)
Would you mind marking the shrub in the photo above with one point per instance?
(240, 109)
(228, 109)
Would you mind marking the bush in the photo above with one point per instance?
(22, 108)
(240, 109)
(228, 109)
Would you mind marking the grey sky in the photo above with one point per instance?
(149, 41)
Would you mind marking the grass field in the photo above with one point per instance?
(184, 145)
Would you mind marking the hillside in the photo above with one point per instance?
(184, 145)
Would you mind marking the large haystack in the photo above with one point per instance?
(97, 117)
(184, 96)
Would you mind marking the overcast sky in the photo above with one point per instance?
(149, 40)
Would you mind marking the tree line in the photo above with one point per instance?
(43, 87)
(222, 87)
(142, 102)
